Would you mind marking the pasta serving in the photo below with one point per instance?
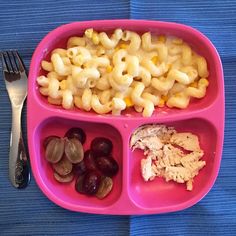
(109, 73)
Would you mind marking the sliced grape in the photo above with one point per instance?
(63, 167)
(74, 150)
(89, 160)
(91, 182)
(80, 168)
(64, 179)
(77, 133)
(79, 184)
(55, 150)
(107, 165)
(48, 139)
(105, 187)
(101, 146)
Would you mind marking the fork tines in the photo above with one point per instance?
(12, 62)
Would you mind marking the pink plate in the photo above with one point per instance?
(130, 194)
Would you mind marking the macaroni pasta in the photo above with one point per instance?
(111, 72)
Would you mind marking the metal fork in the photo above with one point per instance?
(15, 77)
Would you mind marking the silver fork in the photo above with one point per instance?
(15, 77)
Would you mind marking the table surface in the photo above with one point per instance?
(29, 212)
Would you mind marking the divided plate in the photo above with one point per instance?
(130, 194)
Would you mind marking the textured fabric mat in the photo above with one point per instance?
(29, 212)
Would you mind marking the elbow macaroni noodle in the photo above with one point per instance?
(111, 72)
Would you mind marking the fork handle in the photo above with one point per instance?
(19, 168)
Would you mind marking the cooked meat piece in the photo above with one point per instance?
(189, 185)
(191, 157)
(146, 169)
(160, 131)
(151, 143)
(187, 141)
(178, 174)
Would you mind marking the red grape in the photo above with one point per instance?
(80, 168)
(77, 133)
(101, 146)
(79, 184)
(107, 165)
(89, 160)
(91, 182)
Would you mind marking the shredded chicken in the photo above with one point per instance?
(187, 141)
(150, 143)
(146, 168)
(189, 185)
(160, 131)
(164, 156)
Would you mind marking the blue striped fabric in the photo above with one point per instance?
(29, 212)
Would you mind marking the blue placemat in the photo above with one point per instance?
(29, 212)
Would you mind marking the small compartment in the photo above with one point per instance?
(170, 196)
(64, 194)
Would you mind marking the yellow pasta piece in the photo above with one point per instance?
(161, 103)
(164, 97)
(193, 84)
(179, 100)
(128, 102)
(43, 81)
(75, 41)
(48, 66)
(89, 33)
(162, 38)
(78, 102)
(204, 82)
(43, 91)
(163, 100)
(154, 59)
(177, 41)
(116, 49)
(63, 85)
(55, 101)
(95, 38)
(109, 69)
(123, 46)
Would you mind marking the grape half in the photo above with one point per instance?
(48, 139)
(101, 146)
(89, 160)
(79, 184)
(80, 168)
(91, 182)
(63, 167)
(77, 133)
(107, 165)
(55, 150)
(63, 179)
(105, 187)
(74, 150)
